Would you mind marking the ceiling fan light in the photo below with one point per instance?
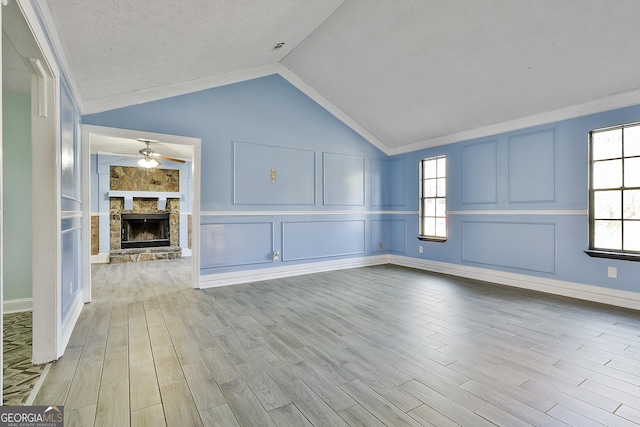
(148, 163)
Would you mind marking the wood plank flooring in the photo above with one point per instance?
(372, 346)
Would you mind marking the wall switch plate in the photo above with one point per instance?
(612, 272)
(274, 175)
(420, 249)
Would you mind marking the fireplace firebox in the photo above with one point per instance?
(144, 230)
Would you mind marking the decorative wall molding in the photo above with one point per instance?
(290, 213)
(570, 212)
(17, 305)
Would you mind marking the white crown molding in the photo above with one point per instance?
(42, 9)
(296, 81)
(182, 88)
(600, 105)
(17, 305)
(568, 212)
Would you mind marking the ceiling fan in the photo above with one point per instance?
(151, 158)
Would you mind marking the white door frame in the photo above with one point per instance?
(49, 336)
(87, 132)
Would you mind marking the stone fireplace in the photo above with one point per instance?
(144, 210)
(144, 230)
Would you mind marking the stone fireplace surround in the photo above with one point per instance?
(144, 205)
(143, 191)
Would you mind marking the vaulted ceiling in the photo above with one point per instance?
(405, 74)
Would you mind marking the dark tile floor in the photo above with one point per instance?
(19, 374)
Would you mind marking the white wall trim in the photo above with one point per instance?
(247, 276)
(580, 291)
(17, 305)
(290, 213)
(102, 258)
(574, 212)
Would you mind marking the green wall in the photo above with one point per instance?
(16, 195)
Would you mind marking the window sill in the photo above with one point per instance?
(613, 255)
(432, 239)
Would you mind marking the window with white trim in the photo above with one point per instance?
(614, 193)
(433, 198)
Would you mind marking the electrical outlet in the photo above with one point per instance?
(612, 272)
(274, 175)
(276, 255)
(420, 249)
(380, 245)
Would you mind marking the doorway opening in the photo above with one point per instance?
(154, 215)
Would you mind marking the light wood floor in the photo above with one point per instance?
(364, 347)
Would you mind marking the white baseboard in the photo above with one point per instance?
(580, 291)
(102, 258)
(247, 276)
(592, 293)
(17, 305)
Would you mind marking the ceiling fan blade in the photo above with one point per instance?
(171, 159)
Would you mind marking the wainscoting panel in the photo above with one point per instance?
(69, 150)
(522, 245)
(321, 239)
(270, 175)
(388, 235)
(235, 244)
(388, 182)
(532, 167)
(380, 182)
(480, 173)
(343, 180)
(70, 236)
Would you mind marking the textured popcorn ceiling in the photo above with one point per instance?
(405, 74)
(119, 46)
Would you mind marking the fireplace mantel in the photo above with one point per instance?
(162, 197)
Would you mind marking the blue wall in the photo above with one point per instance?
(541, 175)
(329, 180)
(517, 200)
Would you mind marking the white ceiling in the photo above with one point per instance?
(405, 74)
(130, 147)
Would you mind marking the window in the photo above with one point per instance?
(614, 196)
(433, 198)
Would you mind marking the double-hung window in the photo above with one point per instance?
(433, 198)
(614, 195)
